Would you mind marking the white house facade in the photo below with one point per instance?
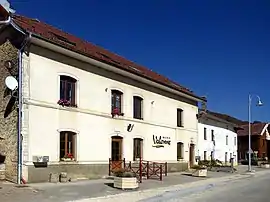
(79, 112)
(217, 138)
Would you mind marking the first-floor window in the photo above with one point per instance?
(180, 150)
(226, 157)
(137, 148)
(67, 145)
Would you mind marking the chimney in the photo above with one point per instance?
(204, 105)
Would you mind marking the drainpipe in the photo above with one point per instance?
(20, 95)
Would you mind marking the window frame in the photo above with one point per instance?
(180, 117)
(69, 137)
(137, 107)
(114, 94)
(137, 148)
(65, 81)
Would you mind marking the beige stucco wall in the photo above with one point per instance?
(92, 119)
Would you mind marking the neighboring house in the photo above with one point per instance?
(259, 140)
(85, 104)
(217, 137)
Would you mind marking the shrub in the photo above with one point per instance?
(124, 173)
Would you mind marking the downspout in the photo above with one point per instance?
(20, 100)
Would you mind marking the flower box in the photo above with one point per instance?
(117, 112)
(125, 182)
(200, 173)
(265, 165)
(65, 103)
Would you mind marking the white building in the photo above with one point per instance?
(217, 137)
(83, 105)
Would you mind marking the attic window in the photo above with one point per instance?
(63, 39)
(109, 58)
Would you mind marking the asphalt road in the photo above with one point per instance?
(254, 189)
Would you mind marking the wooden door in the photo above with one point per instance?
(191, 155)
(116, 154)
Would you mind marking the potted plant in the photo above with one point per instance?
(68, 157)
(200, 171)
(116, 112)
(265, 165)
(125, 180)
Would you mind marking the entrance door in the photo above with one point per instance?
(116, 153)
(191, 154)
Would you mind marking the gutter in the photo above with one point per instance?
(45, 43)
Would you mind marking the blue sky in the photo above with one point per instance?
(220, 49)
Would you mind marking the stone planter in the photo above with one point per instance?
(125, 182)
(265, 165)
(200, 173)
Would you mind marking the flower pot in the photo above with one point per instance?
(125, 182)
(265, 165)
(200, 173)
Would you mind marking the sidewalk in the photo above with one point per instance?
(93, 188)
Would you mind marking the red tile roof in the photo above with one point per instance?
(256, 129)
(70, 42)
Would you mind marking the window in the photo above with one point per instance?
(226, 157)
(180, 150)
(205, 134)
(212, 155)
(117, 100)
(67, 145)
(212, 135)
(226, 139)
(234, 141)
(137, 107)
(179, 118)
(205, 155)
(68, 90)
(137, 148)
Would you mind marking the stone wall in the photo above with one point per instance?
(8, 113)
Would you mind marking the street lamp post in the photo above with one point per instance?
(259, 103)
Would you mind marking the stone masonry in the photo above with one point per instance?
(8, 124)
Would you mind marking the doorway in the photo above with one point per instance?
(191, 155)
(116, 153)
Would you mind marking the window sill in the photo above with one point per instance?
(68, 162)
(69, 106)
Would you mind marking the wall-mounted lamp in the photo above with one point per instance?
(106, 89)
(152, 102)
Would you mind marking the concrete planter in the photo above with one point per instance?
(265, 165)
(125, 182)
(200, 173)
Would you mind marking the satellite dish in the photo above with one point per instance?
(11, 83)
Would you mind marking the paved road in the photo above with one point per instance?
(254, 189)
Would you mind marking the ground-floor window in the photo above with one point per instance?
(205, 155)
(212, 155)
(67, 145)
(137, 148)
(180, 150)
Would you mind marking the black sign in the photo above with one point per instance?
(161, 140)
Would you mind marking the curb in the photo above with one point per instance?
(150, 193)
